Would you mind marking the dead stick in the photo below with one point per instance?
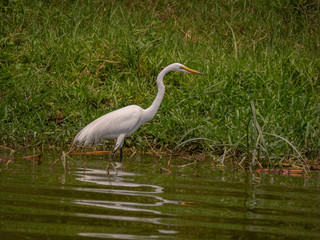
(27, 142)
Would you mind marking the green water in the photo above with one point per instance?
(138, 201)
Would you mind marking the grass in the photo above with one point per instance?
(65, 63)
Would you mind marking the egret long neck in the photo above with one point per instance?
(152, 110)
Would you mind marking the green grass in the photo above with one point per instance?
(65, 63)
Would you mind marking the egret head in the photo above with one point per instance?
(181, 68)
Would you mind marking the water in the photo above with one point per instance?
(138, 201)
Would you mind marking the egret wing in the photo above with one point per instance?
(109, 126)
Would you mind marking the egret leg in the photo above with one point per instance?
(121, 155)
(113, 153)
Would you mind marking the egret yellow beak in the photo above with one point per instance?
(192, 71)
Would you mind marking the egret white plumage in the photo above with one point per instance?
(125, 121)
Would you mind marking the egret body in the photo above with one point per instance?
(125, 121)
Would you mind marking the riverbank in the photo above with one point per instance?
(64, 64)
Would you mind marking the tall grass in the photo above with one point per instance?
(65, 63)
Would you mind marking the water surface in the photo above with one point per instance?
(138, 201)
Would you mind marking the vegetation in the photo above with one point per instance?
(65, 63)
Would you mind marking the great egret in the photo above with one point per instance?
(125, 121)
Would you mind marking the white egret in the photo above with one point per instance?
(125, 121)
